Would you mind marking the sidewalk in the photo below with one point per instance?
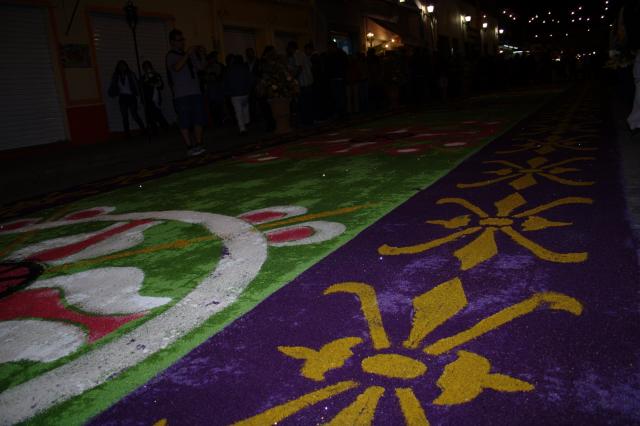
(52, 171)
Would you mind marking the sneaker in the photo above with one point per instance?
(198, 150)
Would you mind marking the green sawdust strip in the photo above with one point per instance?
(319, 184)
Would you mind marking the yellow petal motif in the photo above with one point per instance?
(553, 204)
(369, 305)
(456, 222)
(508, 164)
(523, 182)
(504, 172)
(411, 408)
(316, 363)
(537, 162)
(568, 182)
(387, 250)
(465, 378)
(550, 300)
(487, 182)
(537, 223)
(541, 252)
(433, 308)
(362, 411)
(464, 203)
(394, 366)
(479, 250)
(281, 412)
(508, 204)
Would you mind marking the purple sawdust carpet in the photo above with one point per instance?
(506, 293)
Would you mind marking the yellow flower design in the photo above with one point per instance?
(525, 176)
(461, 381)
(484, 246)
(549, 145)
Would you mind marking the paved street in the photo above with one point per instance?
(475, 264)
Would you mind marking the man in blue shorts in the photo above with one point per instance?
(182, 73)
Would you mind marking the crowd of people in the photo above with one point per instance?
(319, 85)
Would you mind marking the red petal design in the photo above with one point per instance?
(17, 224)
(84, 214)
(291, 234)
(46, 304)
(64, 251)
(261, 217)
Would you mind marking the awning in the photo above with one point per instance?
(403, 31)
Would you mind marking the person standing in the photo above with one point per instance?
(183, 66)
(267, 71)
(152, 85)
(237, 85)
(214, 73)
(336, 68)
(254, 69)
(124, 86)
(300, 68)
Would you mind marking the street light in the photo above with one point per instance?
(500, 31)
(467, 19)
(430, 8)
(370, 38)
(131, 13)
(485, 25)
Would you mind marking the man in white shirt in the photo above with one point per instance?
(300, 68)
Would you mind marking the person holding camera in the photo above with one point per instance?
(183, 66)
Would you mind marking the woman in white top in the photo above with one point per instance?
(124, 86)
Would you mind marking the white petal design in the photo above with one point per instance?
(323, 231)
(271, 214)
(121, 241)
(240, 263)
(33, 340)
(105, 291)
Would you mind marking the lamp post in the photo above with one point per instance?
(131, 13)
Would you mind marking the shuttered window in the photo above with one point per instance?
(30, 105)
(113, 41)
